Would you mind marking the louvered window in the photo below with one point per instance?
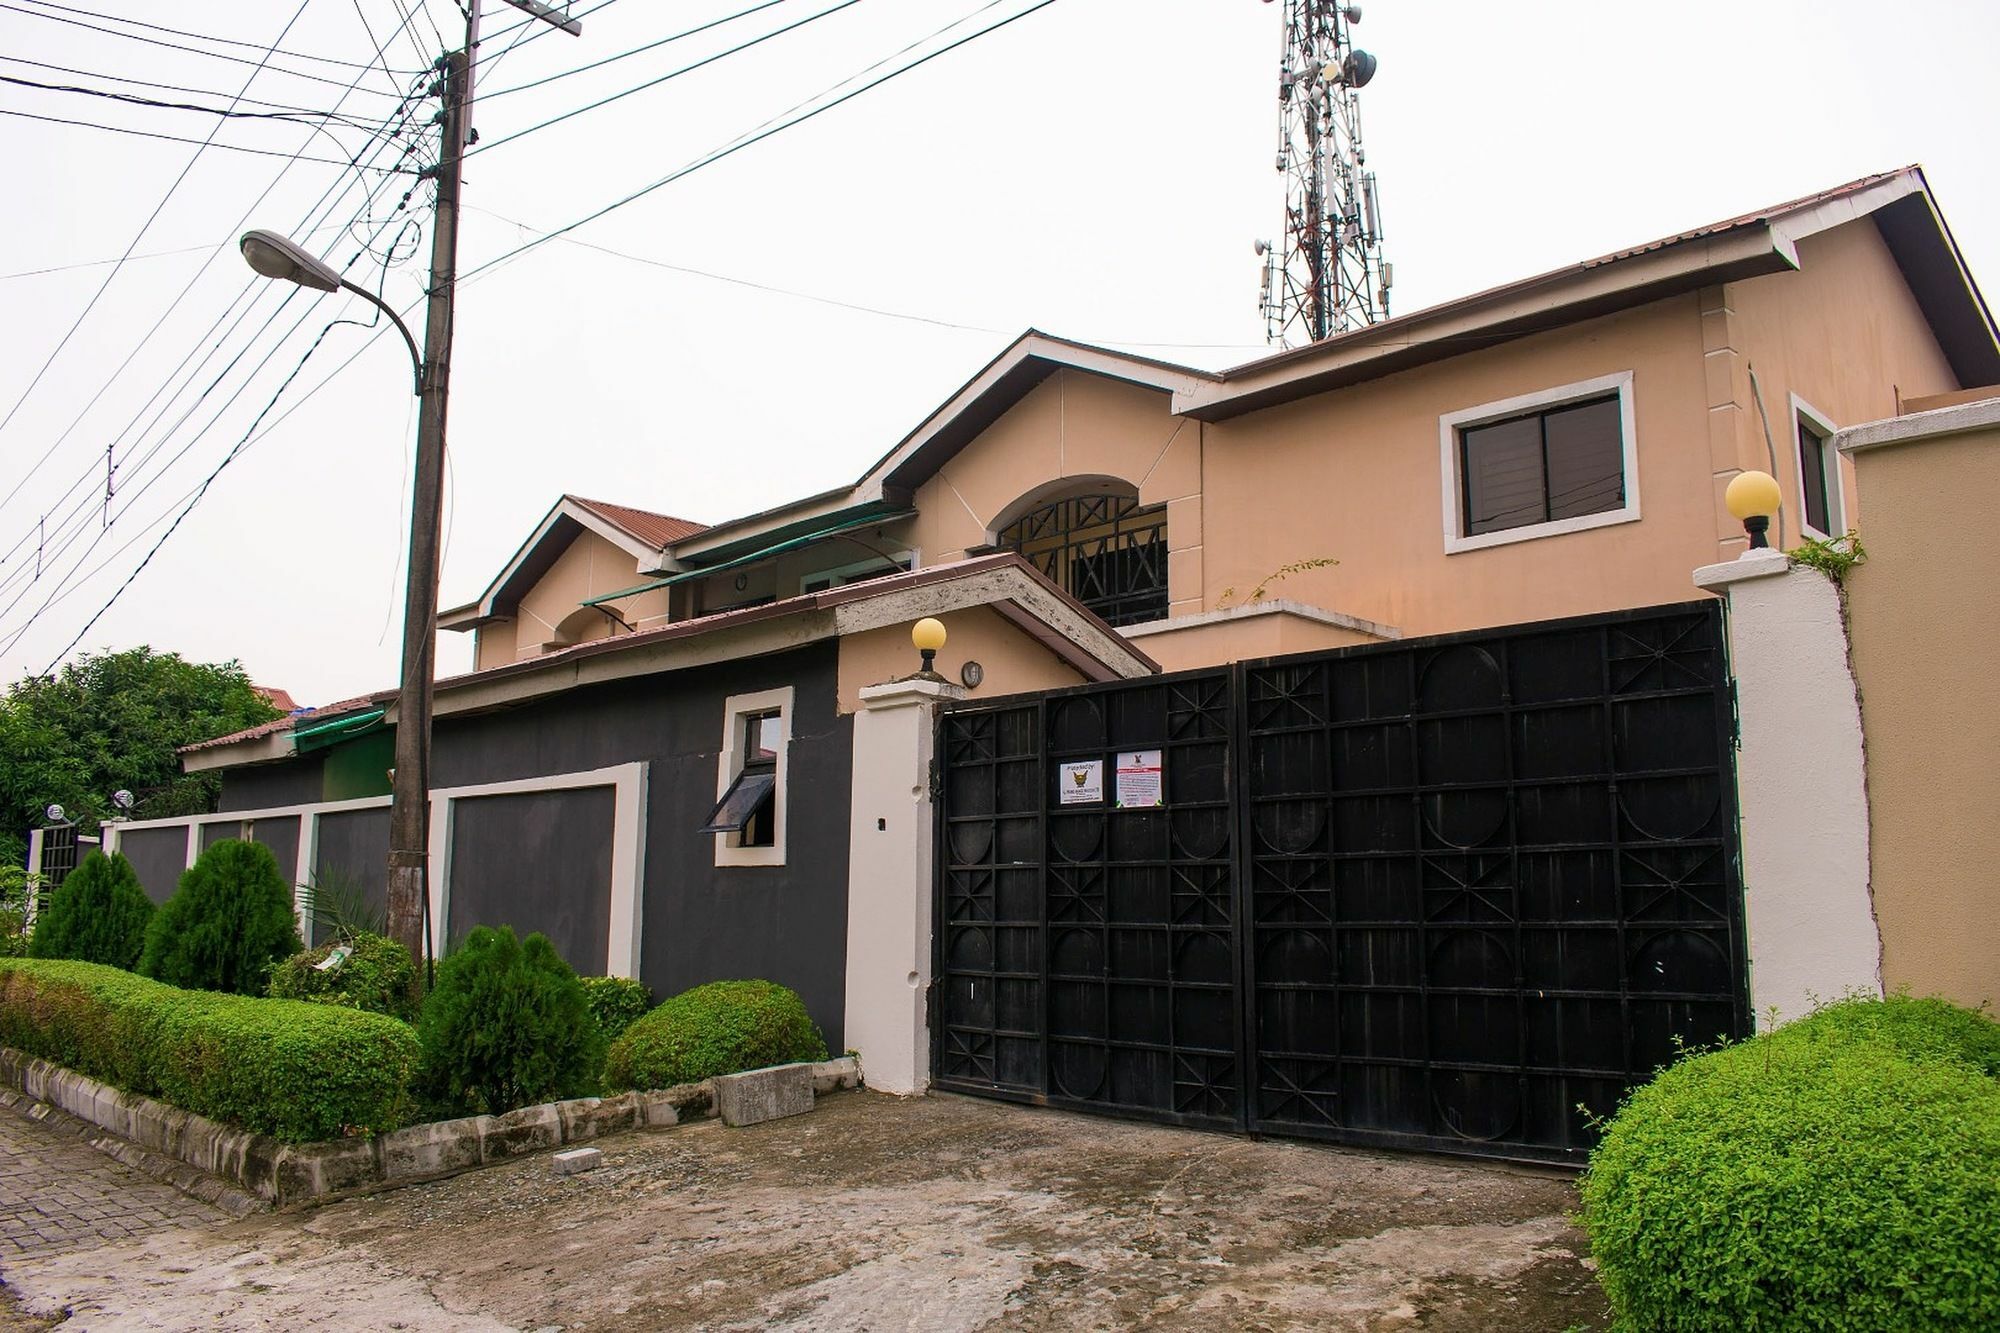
(1564, 462)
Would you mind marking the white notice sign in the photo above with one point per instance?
(1082, 782)
(1139, 779)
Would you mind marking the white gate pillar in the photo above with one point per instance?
(1801, 787)
(889, 877)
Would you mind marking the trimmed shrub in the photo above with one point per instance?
(721, 1028)
(507, 1025)
(99, 914)
(14, 939)
(298, 1072)
(616, 1003)
(227, 923)
(378, 975)
(1836, 1173)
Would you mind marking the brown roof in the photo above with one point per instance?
(277, 698)
(290, 720)
(656, 530)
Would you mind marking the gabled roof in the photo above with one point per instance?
(642, 533)
(1005, 584)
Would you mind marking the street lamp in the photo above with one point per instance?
(284, 259)
(1753, 497)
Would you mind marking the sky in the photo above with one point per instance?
(769, 325)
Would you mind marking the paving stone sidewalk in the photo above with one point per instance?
(58, 1193)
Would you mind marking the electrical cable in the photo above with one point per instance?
(207, 37)
(654, 83)
(165, 87)
(295, 117)
(541, 26)
(192, 50)
(178, 138)
(637, 50)
(744, 142)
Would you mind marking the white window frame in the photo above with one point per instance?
(909, 559)
(1450, 455)
(729, 851)
(1836, 490)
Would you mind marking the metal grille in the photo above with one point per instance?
(59, 857)
(1104, 550)
(1432, 894)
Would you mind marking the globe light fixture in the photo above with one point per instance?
(1753, 497)
(928, 636)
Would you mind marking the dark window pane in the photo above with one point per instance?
(1503, 476)
(1107, 551)
(746, 798)
(1586, 456)
(1812, 478)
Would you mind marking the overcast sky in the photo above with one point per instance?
(1098, 169)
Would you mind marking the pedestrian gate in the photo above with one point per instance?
(1456, 893)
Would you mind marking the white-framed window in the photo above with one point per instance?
(1540, 464)
(875, 567)
(748, 821)
(1822, 501)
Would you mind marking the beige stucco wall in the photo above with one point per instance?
(1843, 333)
(589, 567)
(1925, 620)
(1356, 476)
(1072, 426)
(1014, 662)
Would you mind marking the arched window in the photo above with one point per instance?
(1107, 551)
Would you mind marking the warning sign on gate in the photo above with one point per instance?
(1082, 782)
(1141, 781)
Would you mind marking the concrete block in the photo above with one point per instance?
(757, 1095)
(302, 1171)
(658, 1110)
(587, 1118)
(578, 1159)
(834, 1075)
(437, 1148)
(518, 1133)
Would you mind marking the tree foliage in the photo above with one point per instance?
(114, 720)
(98, 915)
(226, 926)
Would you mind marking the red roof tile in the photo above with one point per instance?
(658, 530)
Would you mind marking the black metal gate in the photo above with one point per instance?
(1456, 893)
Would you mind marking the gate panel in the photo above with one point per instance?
(1435, 894)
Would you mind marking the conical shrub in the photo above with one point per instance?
(226, 925)
(99, 914)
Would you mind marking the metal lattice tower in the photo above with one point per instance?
(1326, 275)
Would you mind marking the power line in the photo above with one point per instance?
(111, 276)
(181, 138)
(740, 144)
(160, 87)
(206, 37)
(637, 50)
(297, 117)
(541, 29)
(654, 83)
(191, 50)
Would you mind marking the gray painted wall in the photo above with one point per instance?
(293, 782)
(356, 844)
(701, 923)
(158, 857)
(536, 861)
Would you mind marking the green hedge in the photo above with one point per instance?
(297, 1071)
(721, 1028)
(1836, 1173)
(378, 975)
(617, 1003)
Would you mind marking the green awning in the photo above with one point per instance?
(338, 730)
(765, 553)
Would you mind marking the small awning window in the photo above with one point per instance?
(747, 797)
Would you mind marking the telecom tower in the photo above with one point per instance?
(1326, 275)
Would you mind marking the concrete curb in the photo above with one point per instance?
(296, 1173)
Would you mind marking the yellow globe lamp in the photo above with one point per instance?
(928, 636)
(1753, 497)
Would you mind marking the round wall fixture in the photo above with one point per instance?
(971, 674)
(742, 582)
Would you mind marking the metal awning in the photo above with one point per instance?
(338, 730)
(763, 553)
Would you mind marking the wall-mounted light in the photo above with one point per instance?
(1753, 497)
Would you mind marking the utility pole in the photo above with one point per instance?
(409, 798)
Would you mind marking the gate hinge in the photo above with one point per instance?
(936, 780)
(1735, 717)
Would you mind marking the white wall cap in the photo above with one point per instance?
(1919, 426)
(909, 691)
(1757, 564)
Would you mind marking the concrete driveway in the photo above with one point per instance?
(937, 1214)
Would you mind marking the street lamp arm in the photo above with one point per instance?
(416, 357)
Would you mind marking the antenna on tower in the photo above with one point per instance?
(1325, 275)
